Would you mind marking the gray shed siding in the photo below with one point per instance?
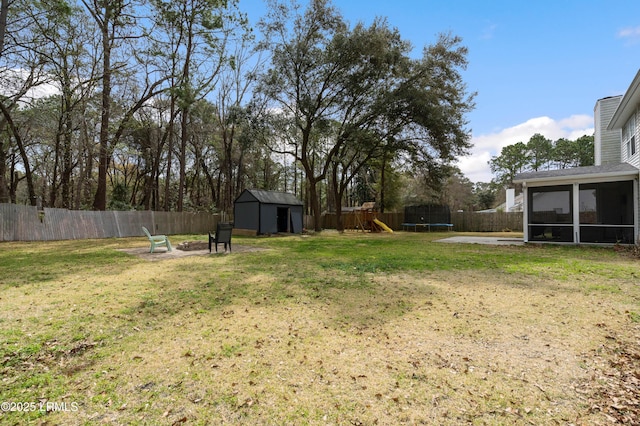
(268, 212)
(268, 219)
(247, 216)
(296, 219)
(607, 143)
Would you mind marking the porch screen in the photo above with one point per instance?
(606, 212)
(550, 214)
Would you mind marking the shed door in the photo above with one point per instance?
(283, 219)
(296, 221)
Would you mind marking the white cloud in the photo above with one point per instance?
(488, 32)
(12, 81)
(476, 168)
(42, 91)
(630, 33)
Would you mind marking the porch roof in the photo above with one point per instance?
(579, 173)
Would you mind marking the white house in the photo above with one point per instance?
(597, 204)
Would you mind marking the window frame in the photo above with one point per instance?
(629, 136)
(559, 229)
(598, 225)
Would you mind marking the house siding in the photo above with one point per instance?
(607, 143)
(616, 119)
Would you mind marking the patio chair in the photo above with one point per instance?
(157, 240)
(222, 236)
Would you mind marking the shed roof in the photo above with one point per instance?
(268, 197)
(576, 173)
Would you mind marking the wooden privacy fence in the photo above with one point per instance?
(462, 221)
(26, 223)
(487, 222)
(392, 220)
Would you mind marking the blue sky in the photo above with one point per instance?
(537, 66)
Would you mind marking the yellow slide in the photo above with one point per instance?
(382, 225)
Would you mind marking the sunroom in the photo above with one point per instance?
(583, 205)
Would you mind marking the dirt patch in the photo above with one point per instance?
(187, 248)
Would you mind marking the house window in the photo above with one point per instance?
(550, 213)
(606, 212)
(629, 136)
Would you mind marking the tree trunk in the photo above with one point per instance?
(67, 166)
(151, 188)
(183, 157)
(167, 182)
(13, 186)
(382, 183)
(239, 173)
(100, 200)
(187, 101)
(54, 175)
(23, 154)
(337, 197)
(4, 189)
(228, 136)
(4, 11)
(315, 205)
(314, 199)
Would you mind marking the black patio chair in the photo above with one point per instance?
(222, 236)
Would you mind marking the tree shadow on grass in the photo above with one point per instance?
(29, 263)
(343, 273)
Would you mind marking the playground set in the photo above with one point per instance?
(365, 218)
(423, 217)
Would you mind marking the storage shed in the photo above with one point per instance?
(268, 212)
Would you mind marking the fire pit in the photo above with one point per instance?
(193, 245)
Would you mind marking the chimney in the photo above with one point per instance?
(511, 199)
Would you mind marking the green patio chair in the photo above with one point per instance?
(157, 240)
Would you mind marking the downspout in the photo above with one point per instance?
(259, 218)
(525, 212)
(575, 204)
(636, 208)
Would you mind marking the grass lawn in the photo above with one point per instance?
(322, 329)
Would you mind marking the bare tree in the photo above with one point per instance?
(117, 23)
(22, 70)
(112, 22)
(199, 31)
(231, 102)
(69, 53)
